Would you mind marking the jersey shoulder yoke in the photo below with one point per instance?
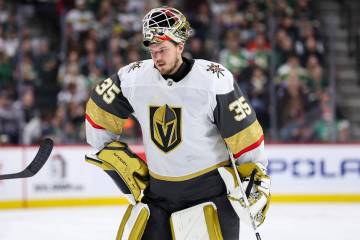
(220, 77)
(137, 68)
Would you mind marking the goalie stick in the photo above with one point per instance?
(245, 199)
(36, 164)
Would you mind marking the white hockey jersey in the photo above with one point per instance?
(187, 125)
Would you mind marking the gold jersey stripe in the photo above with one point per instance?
(103, 118)
(190, 176)
(244, 138)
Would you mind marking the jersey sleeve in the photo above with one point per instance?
(106, 112)
(237, 122)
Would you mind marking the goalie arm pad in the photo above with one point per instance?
(129, 172)
(257, 187)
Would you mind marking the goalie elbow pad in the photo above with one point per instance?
(129, 172)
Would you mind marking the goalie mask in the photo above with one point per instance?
(165, 23)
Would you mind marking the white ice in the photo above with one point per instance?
(284, 222)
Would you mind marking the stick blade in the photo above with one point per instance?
(41, 156)
(37, 163)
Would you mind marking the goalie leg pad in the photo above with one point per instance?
(133, 223)
(197, 222)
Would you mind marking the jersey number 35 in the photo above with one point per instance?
(108, 90)
(241, 108)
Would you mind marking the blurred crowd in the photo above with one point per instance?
(52, 53)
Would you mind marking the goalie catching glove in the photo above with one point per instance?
(257, 188)
(129, 172)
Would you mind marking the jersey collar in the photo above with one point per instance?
(183, 70)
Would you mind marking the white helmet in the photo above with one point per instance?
(165, 23)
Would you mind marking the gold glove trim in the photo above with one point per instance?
(245, 169)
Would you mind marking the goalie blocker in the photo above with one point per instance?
(129, 172)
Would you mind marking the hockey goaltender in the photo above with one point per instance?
(192, 115)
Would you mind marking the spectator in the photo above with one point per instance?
(344, 134)
(303, 10)
(28, 115)
(292, 64)
(94, 77)
(293, 99)
(4, 12)
(317, 83)
(47, 69)
(11, 43)
(282, 8)
(133, 54)
(232, 56)
(10, 124)
(74, 86)
(92, 60)
(71, 60)
(105, 20)
(201, 21)
(5, 69)
(99, 37)
(26, 106)
(312, 47)
(284, 47)
(259, 49)
(258, 94)
(327, 127)
(287, 23)
(231, 18)
(196, 49)
(80, 19)
(116, 63)
(253, 14)
(27, 72)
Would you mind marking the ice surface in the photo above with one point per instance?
(284, 222)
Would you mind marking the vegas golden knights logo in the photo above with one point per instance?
(165, 126)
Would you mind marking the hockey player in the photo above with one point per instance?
(192, 113)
